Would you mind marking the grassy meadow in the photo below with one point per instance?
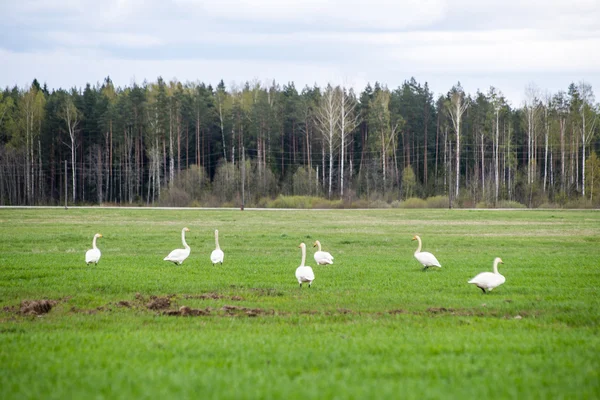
(373, 325)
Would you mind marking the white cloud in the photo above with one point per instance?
(95, 66)
(326, 14)
(108, 39)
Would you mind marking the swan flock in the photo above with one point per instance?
(486, 281)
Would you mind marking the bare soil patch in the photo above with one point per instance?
(185, 311)
(159, 303)
(36, 307)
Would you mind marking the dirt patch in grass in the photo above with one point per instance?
(251, 312)
(212, 296)
(204, 296)
(225, 311)
(9, 309)
(185, 311)
(440, 310)
(36, 307)
(124, 303)
(159, 303)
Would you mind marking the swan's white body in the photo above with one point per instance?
(178, 256)
(304, 273)
(425, 258)
(322, 257)
(217, 254)
(489, 280)
(93, 254)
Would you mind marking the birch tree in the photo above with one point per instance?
(32, 110)
(589, 117)
(328, 116)
(561, 108)
(348, 122)
(547, 105)
(456, 108)
(531, 108)
(220, 97)
(498, 103)
(71, 117)
(380, 120)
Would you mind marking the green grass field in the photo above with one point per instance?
(373, 325)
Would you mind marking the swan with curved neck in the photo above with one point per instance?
(489, 280)
(322, 257)
(425, 258)
(304, 273)
(217, 254)
(178, 256)
(93, 254)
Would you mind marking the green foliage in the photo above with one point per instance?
(437, 202)
(509, 204)
(125, 139)
(413, 202)
(304, 202)
(409, 182)
(579, 203)
(305, 181)
(501, 204)
(592, 178)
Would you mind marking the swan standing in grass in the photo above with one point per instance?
(217, 254)
(178, 256)
(304, 273)
(425, 258)
(322, 257)
(489, 280)
(93, 254)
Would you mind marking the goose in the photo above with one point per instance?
(322, 257)
(489, 280)
(93, 254)
(178, 256)
(304, 273)
(217, 254)
(425, 258)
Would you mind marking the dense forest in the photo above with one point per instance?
(189, 144)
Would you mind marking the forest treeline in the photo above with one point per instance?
(189, 144)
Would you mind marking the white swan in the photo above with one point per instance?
(217, 254)
(93, 254)
(489, 280)
(178, 256)
(322, 257)
(304, 273)
(425, 258)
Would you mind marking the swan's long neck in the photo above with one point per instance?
(319, 245)
(303, 256)
(217, 240)
(496, 266)
(183, 239)
(94, 242)
(418, 248)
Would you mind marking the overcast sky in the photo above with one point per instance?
(508, 44)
